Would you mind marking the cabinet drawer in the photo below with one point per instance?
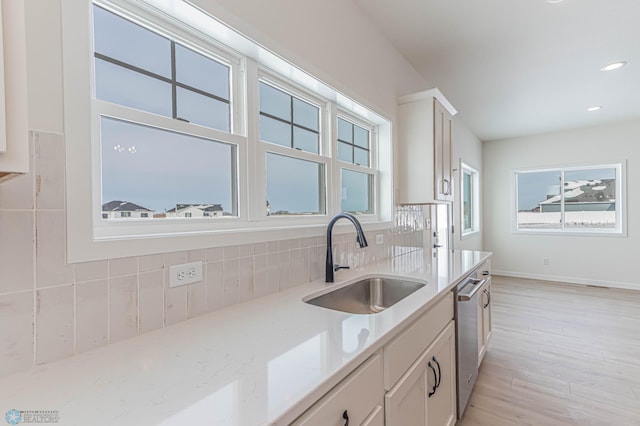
(360, 394)
(400, 353)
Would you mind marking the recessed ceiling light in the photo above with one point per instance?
(614, 66)
(594, 108)
(553, 1)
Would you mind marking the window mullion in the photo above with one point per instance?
(174, 90)
(291, 112)
(562, 219)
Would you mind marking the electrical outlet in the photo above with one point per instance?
(187, 273)
(380, 239)
(545, 261)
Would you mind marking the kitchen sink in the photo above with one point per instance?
(367, 296)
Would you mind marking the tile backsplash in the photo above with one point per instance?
(50, 310)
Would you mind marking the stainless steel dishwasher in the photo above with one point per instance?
(467, 337)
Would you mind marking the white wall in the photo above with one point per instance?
(468, 148)
(600, 260)
(331, 39)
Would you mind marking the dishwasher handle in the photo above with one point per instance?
(477, 284)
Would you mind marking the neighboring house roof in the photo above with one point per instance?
(586, 191)
(203, 207)
(123, 206)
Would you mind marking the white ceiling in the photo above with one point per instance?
(520, 67)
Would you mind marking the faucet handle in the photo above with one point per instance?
(336, 267)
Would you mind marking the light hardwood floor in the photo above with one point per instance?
(560, 354)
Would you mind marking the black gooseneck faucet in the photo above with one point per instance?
(360, 238)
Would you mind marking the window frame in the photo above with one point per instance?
(373, 168)
(131, 227)
(140, 236)
(475, 201)
(620, 229)
(261, 148)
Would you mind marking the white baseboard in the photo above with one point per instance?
(571, 280)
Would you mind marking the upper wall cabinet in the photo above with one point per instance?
(425, 166)
(14, 133)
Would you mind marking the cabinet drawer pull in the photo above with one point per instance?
(439, 378)
(488, 293)
(446, 187)
(433, 390)
(345, 416)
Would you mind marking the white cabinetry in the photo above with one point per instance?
(357, 400)
(426, 394)
(425, 167)
(484, 311)
(420, 371)
(416, 369)
(14, 134)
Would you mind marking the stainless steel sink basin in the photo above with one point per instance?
(368, 296)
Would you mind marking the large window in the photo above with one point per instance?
(150, 161)
(470, 203)
(581, 199)
(197, 134)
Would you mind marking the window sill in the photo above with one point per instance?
(470, 234)
(84, 247)
(589, 233)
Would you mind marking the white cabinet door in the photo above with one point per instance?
(484, 311)
(443, 167)
(441, 379)
(354, 400)
(484, 320)
(406, 402)
(376, 418)
(426, 393)
(424, 148)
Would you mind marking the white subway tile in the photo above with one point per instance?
(284, 270)
(272, 247)
(49, 167)
(260, 248)
(90, 271)
(175, 302)
(54, 323)
(260, 275)
(231, 282)
(284, 245)
(215, 286)
(175, 258)
(16, 251)
(52, 268)
(245, 279)
(231, 252)
(151, 301)
(16, 332)
(153, 262)
(273, 273)
(215, 254)
(245, 250)
(123, 266)
(92, 314)
(196, 256)
(123, 307)
(196, 299)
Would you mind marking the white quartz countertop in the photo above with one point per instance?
(256, 363)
